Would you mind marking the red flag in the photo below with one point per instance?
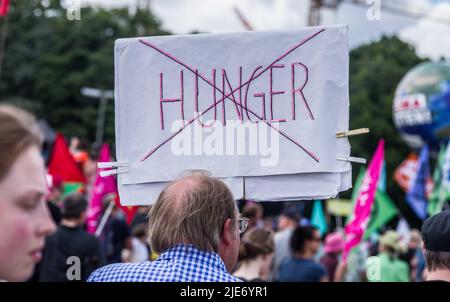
(4, 5)
(406, 172)
(62, 163)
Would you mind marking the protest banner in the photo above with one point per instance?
(264, 106)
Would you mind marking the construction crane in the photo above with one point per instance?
(243, 20)
(144, 4)
(400, 10)
(315, 7)
(313, 15)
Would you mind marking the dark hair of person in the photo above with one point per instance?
(74, 205)
(299, 237)
(256, 242)
(252, 210)
(437, 260)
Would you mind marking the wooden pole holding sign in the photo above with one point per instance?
(105, 218)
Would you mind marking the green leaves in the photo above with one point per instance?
(49, 58)
(375, 71)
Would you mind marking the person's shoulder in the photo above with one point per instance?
(118, 272)
(242, 279)
(288, 263)
(106, 273)
(320, 268)
(402, 264)
(376, 259)
(91, 238)
(315, 269)
(206, 272)
(87, 239)
(52, 237)
(229, 278)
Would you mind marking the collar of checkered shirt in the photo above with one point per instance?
(189, 252)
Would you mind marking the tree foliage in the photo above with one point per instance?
(49, 59)
(375, 71)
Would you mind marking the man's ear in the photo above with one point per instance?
(228, 231)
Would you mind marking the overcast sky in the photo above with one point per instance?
(184, 16)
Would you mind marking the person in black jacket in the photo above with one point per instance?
(71, 254)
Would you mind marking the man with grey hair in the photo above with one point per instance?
(194, 227)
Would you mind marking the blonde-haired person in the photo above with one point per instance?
(386, 267)
(24, 217)
(195, 228)
(255, 255)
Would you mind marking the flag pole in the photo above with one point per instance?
(105, 218)
(339, 222)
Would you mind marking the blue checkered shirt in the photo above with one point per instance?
(182, 263)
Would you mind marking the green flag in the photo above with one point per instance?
(383, 211)
(70, 187)
(438, 194)
(358, 182)
(318, 217)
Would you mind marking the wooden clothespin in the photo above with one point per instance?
(352, 132)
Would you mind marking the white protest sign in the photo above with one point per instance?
(264, 105)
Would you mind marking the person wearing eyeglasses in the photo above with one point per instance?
(305, 243)
(195, 228)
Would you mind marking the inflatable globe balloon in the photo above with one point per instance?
(421, 109)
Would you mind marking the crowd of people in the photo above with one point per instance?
(194, 231)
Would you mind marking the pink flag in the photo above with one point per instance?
(361, 214)
(102, 187)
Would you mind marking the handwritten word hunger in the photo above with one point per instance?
(228, 95)
(239, 96)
